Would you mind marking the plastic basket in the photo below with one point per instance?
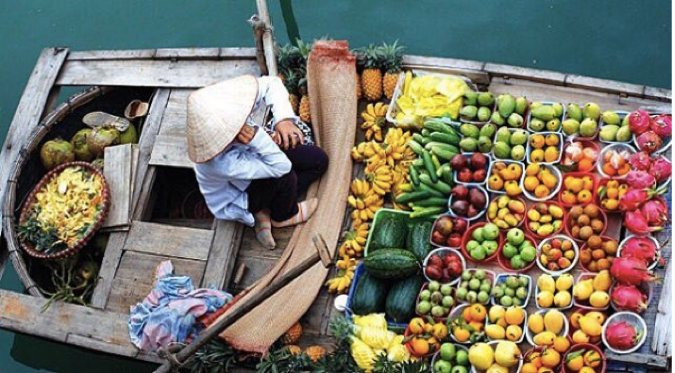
(555, 171)
(602, 216)
(632, 318)
(436, 319)
(505, 263)
(601, 183)
(563, 333)
(562, 225)
(513, 369)
(434, 228)
(479, 214)
(667, 141)
(582, 311)
(507, 163)
(437, 355)
(468, 236)
(546, 103)
(522, 326)
(585, 304)
(488, 275)
(645, 288)
(443, 252)
(594, 187)
(602, 368)
(585, 144)
(585, 246)
(529, 149)
(575, 247)
(653, 264)
(512, 130)
(488, 166)
(621, 114)
(615, 147)
(501, 278)
(536, 296)
(578, 134)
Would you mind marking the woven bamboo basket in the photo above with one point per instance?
(24, 175)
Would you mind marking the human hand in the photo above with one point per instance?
(288, 134)
(246, 134)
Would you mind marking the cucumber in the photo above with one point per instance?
(391, 263)
(412, 196)
(433, 144)
(414, 176)
(420, 139)
(437, 163)
(370, 295)
(425, 132)
(438, 185)
(433, 192)
(402, 298)
(436, 126)
(445, 138)
(443, 169)
(415, 146)
(443, 153)
(429, 165)
(418, 163)
(427, 211)
(433, 201)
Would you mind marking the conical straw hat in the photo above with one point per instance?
(216, 114)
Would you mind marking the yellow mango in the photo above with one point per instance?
(590, 326)
(535, 323)
(546, 283)
(544, 338)
(554, 321)
(602, 281)
(599, 299)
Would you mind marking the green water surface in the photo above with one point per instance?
(621, 40)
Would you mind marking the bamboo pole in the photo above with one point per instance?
(267, 37)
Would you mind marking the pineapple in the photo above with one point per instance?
(289, 58)
(303, 109)
(292, 79)
(293, 334)
(359, 90)
(393, 60)
(371, 77)
(315, 352)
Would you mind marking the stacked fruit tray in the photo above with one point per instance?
(525, 228)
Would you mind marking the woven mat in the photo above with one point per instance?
(331, 82)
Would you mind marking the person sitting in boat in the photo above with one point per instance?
(245, 173)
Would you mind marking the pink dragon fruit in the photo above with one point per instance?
(640, 247)
(630, 271)
(661, 168)
(640, 161)
(640, 180)
(662, 125)
(638, 121)
(637, 223)
(655, 211)
(622, 336)
(634, 198)
(629, 298)
(649, 142)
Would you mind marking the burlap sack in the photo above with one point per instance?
(331, 82)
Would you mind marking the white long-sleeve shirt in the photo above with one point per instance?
(224, 179)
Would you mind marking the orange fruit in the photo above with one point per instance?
(551, 154)
(537, 141)
(462, 335)
(478, 312)
(612, 193)
(574, 184)
(585, 165)
(495, 182)
(531, 182)
(549, 180)
(608, 169)
(541, 191)
(552, 140)
(419, 346)
(528, 368)
(537, 155)
(624, 169)
(568, 197)
(532, 169)
(585, 196)
(466, 314)
(588, 182)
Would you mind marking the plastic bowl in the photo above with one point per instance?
(598, 201)
(667, 181)
(633, 319)
(468, 237)
(502, 277)
(520, 223)
(554, 192)
(585, 144)
(585, 245)
(562, 225)
(480, 213)
(575, 247)
(436, 319)
(529, 149)
(512, 130)
(536, 295)
(578, 134)
(479, 123)
(645, 288)
(536, 349)
(564, 333)
(547, 103)
(616, 147)
(407, 334)
(443, 252)
(523, 325)
(434, 229)
(593, 191)
(582, 311)
(585, 304)
(507, 162)
(488, 275)
(667, 141)
(454, 314)
(513, 369)
(437, 355)
(487, 168)
(602, 368)
(506, 263)
(525, 115)
(656, 242)
(621, 114)
(602, 216)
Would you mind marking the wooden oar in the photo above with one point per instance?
(176, 360)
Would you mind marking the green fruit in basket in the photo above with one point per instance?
(484, 113)
(570, 126)
(515, 120)
(515, 236)
(515, 302)
(425, 294)
(466, 275)
(544, 112)
(511, 282)
(484, 144)
(488, 130)
(521, 293)
(574, 112)
(528, 253)
(498, 291)
(521, 105)
(506, 105)
(610, 117)
(517, 262)
(434, 286)
(490, 232)
(537, 125)
(469, 112)
(474, 284)
(486, 99)
(503, 135)
(470, 97)
(502, 149)
(442, 366)
(462, 359)
(509, 251)
(461, 293)
(448, 301)
(623, 134)
(424, 307)
(478, 253)
(471, 296)
(448, 351)
(588, 127)
(626, 121)
(518, 153)
(557, 109)
(608, 132)
(478, 234)
(519, 137)
(535, 105)
(506, 301)
(485, 286)
(446, 289)
(553, 125)
(509, 291)
(490, 247)
(497, 119)
(437, 311)
(468, 144)
(592, 111)
(469, 130)
(524, 281)
(483, 297)
(480, 274)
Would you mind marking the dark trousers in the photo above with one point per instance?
(280, 195)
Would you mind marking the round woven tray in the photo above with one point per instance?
(26, 210)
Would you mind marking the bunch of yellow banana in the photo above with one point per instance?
(374, 120)
(355, 240)
(340, 283)
(364, 200)
(380, 175)
(395, 145)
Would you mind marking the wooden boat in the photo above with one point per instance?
(212, 252)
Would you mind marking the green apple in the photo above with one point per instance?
(448, 351)
(515, 236)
